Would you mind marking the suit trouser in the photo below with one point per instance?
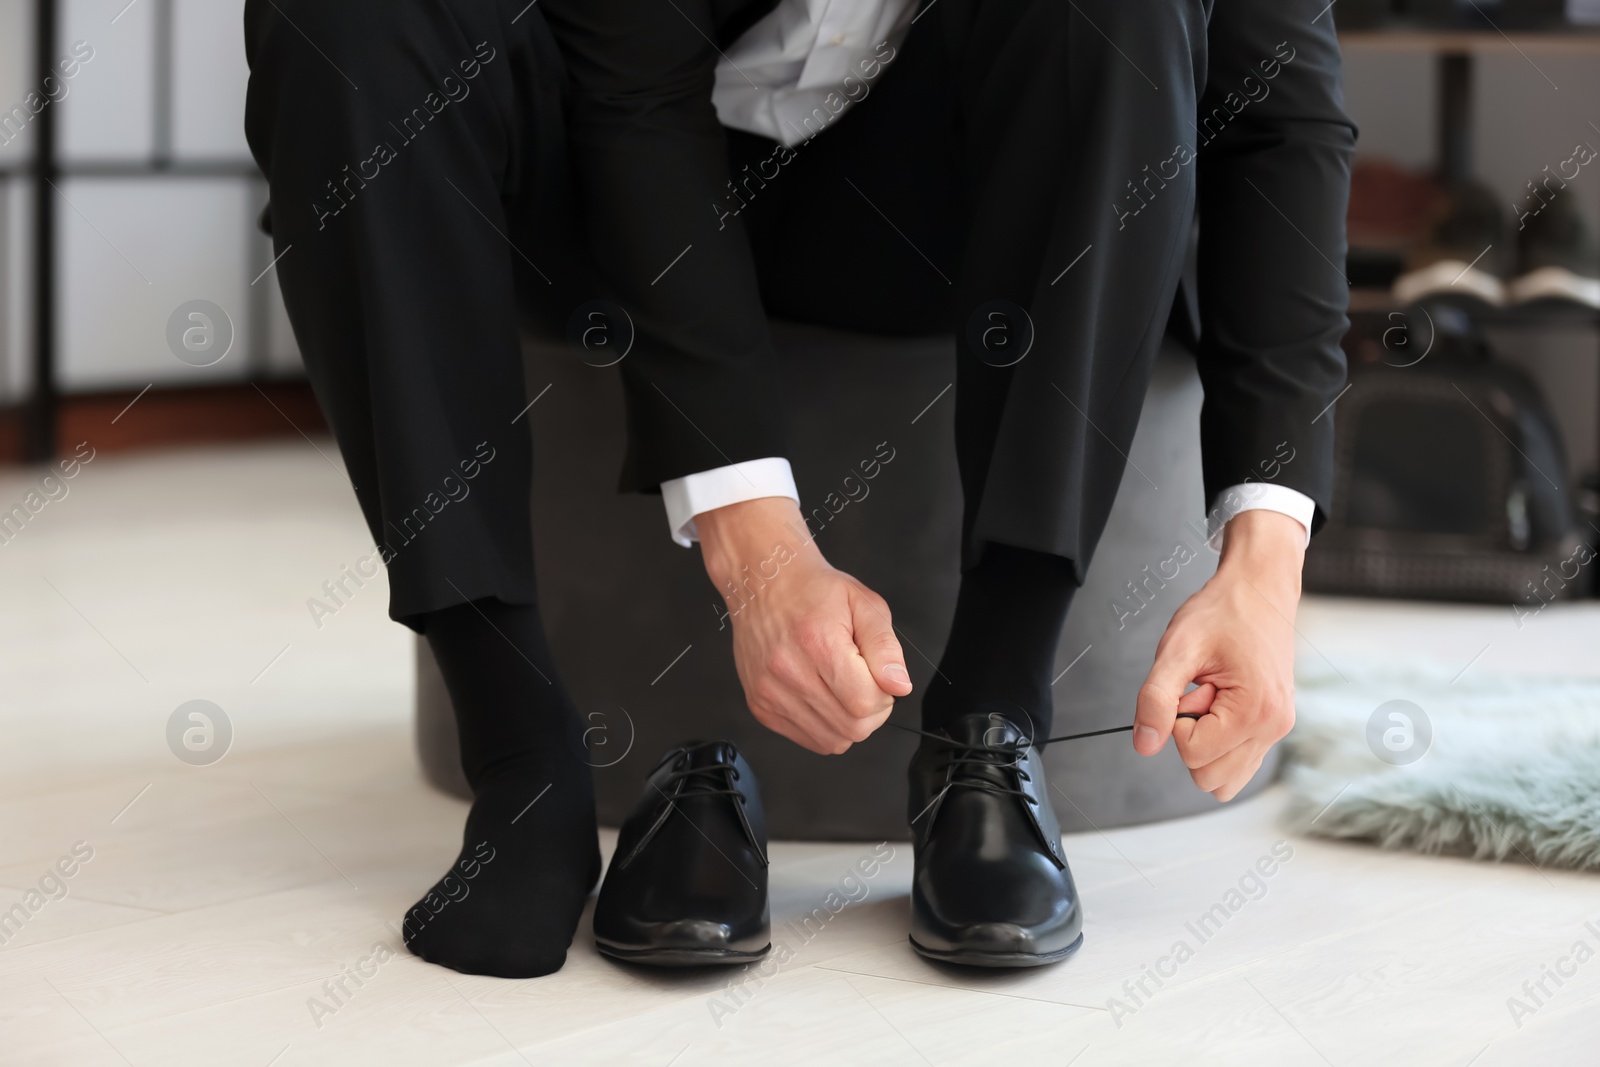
(430, 163)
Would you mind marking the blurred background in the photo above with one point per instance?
(153, 203)
(155, 197)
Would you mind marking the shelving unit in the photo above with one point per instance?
(1455, 52)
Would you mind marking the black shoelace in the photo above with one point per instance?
(1026, 742)
(969, 760)
(714, 781)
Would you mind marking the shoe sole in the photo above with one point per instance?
(974, 958)
(681, 957)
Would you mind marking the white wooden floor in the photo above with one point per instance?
(221, 902)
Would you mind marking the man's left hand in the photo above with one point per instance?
(1234, 640)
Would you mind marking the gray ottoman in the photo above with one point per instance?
(638, 630)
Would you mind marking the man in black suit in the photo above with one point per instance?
(699, 164)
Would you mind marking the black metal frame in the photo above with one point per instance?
(39, 442)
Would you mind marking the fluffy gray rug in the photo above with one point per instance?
(1513, 770)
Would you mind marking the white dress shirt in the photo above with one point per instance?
(787, 78)
(799, 68)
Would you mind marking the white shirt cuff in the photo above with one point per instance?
(1252, 496)
(692, 494)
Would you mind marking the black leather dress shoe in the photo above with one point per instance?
(991, 886)
(687, 885)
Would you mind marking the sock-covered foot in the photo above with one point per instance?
(510, 904)
(530, 855)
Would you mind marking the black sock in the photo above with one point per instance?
(1002, 643)
(530, 854)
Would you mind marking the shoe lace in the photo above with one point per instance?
(968, 760)
(714, 781)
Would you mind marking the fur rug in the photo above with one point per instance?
(1513, 771)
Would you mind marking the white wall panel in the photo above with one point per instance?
(1525, 122)
(16, 76)
(1392, 97)
(209, 79)
(138, 250)
(16, 289)
(109, 112)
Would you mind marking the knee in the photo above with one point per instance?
(332, 77)
(379, 44)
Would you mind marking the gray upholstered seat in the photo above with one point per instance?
(622, 603)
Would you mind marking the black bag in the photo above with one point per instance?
(1450, 478)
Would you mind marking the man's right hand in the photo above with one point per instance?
(815, 648)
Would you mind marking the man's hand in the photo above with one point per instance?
(815, 649)
(1235, 640)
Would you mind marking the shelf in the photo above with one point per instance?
(1367, 301)
(1565, 42)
